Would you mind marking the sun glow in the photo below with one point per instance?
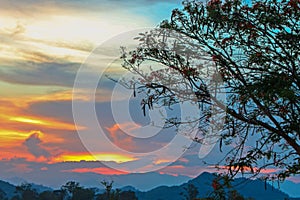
(118, 158)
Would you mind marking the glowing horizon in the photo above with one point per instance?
(106, 157)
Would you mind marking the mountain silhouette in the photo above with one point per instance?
(256, 189)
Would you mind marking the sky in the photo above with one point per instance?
(48, 46)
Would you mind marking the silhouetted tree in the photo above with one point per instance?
(109, 194)
(70, 186)
(16, 197)
(74, 191)
(116, 194)
(190, 193)
(223, 190)
(60, 194)
(83, 194)
(128, 195)
(27, 192)
(49, 195)
(2, 195)
(254, 48)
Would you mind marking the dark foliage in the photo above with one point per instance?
(250, 51)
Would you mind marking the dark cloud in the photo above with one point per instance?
(49, 74)
(31, 73)
(60, 110)
(33, 144)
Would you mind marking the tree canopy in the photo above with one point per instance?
(254, 48)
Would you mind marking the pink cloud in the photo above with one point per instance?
(247, 169)
(184, 160)
(20, 168)
(99, 170)
(295, 179)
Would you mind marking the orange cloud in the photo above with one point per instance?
(162, 161)
(13, 117)
(12, 137)
(184, 160)
(9, 137)
(21, 154)
(23, 101)
(100, 170)
(17, 125)
(17, 144)
(121, 139)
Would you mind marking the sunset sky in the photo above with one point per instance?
(43, 44)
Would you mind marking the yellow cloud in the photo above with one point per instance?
(11, 138)
(118, 158)
(27, 120)
(49, 123)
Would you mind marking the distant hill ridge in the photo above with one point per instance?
(246, 187)
(203, 183)
(9, 189)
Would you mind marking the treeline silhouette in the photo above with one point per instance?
(70, 191)
(74, 191)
